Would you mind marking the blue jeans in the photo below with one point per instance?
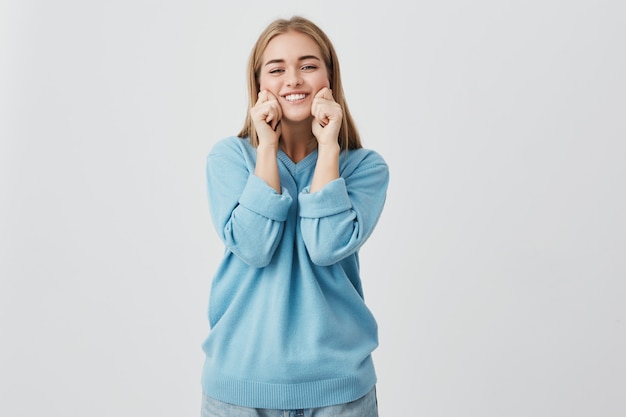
(366, 406)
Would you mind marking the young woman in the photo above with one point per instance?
(293, 197)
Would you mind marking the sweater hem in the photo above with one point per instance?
(313, 394)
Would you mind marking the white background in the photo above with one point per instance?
(497, 272)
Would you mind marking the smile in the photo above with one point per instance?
(294, 97)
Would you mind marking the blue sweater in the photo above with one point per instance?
(289, 328)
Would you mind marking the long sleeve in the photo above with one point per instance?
(339, 218)
(247, 213)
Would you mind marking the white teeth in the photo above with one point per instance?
(294, 97)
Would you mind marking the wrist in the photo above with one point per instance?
(267, 148)
(328, 148)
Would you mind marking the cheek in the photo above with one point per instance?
(266, 83)
(326, 77)
(262, 83)
(326, 82)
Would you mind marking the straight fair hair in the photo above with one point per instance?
(348, 134)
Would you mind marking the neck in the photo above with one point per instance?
(297, 141)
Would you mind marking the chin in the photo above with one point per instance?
(297, 118)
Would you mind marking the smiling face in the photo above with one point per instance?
(293, 70)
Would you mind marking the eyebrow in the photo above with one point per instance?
(302, 58)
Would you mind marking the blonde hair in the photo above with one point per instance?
(348, 134)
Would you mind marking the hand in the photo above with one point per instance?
(266, 115)
(327, 117)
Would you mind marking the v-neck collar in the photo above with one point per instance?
(294, 167)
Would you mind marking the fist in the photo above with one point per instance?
(266, 114)
(327, 117)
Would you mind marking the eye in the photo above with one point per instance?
(276, 71)
(309, 67)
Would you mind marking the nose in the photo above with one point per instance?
(293, 79)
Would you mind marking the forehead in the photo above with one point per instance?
(291, 45)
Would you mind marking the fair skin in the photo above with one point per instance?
(295, 110)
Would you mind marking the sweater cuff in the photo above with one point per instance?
(330, 200)
(262, 199)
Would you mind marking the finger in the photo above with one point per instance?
(272, 120)
(269, 96)
(265, 96)
(279, 110)
(322, 118)
(274, 115)
(325, 94)
(321, 111)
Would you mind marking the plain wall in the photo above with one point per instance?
(497, 272)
